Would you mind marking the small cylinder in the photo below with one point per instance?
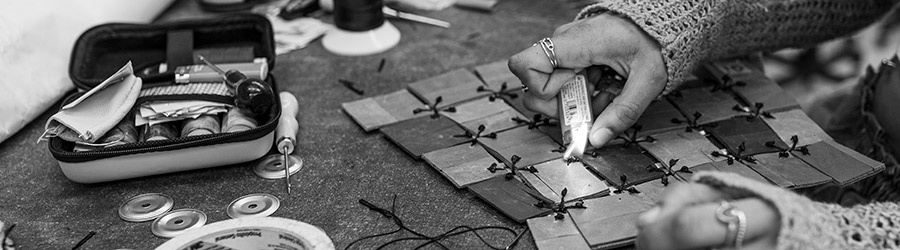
(235, 121)
(123, 133)
(160, 131)
(202, 125)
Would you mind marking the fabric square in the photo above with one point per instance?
(494, 115)
(657, 118)
(614, 161)
(532, 152)
(550, 233)
(723, 166)
(375, 112)
(753, 133)
(463, 164)
(425, 134)
(400, 104)
(761, 89)
(795, 122)
(844, 165)
(512, 197)
(787, 172)
(712, 105)
(610, 221)
(554, 176)
(496, 74)
(690, 148)
(454, 86)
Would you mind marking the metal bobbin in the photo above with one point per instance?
(177, 222)
(272, 166)
(253, 205)
(145, 207)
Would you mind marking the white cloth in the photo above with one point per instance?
(36, 39)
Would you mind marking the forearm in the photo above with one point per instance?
(811, 225)
(691, 31)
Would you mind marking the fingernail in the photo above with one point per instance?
(649, 216)
(601, 137)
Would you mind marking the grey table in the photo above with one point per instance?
(342, 162)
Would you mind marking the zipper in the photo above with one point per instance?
(154, 146)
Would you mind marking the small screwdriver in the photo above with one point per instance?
(249, 93)
(286, 132)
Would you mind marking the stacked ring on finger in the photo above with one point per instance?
(736, 221)
(548, 48)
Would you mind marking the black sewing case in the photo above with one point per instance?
(103, 49)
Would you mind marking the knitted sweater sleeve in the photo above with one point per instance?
(811, 225)
(690, 31)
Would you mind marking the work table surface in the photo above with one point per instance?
(342, 163)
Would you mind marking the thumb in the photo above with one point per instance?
(645, 82)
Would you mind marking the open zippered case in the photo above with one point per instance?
(156, 50)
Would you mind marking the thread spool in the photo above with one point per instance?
(253, 233)
(361, 28)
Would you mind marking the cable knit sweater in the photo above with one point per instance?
(690, 31)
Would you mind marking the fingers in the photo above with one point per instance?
(696, 227)
(645, 82)
(547, 107)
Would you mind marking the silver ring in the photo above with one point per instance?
(525, 89)
(549, 50)
(736, 221)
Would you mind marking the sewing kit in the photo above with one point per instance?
(162, 98)
(471, 127)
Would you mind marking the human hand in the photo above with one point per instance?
(686, 219)
(600, 40)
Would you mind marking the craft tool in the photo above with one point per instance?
(415, 18)
(250, 94)
(271, 166)
(207, 73)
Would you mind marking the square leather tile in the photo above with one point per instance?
(613, 161)
(753, 133)
(454, 86)
(610, 221)
(788, 172)
(424, 134)
(512, 197)
(690, 148)
(463, 164)
(554, 176)
(844, 165)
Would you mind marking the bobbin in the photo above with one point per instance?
(272, 166)
(177, 222)
(145, 207)
(253, 205)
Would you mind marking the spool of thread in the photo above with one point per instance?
(124, 132)
(358, 15)
(236, 120)
(202, 125)
(160, 131)
(361, 28)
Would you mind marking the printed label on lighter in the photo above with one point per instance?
(575, 101)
